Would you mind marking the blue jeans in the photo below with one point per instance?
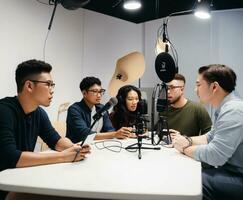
(219, 183)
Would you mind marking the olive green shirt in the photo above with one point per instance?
(192, 119)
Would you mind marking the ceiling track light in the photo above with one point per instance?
(132, 4)
(202, 9)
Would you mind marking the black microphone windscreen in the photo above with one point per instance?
(165, 67)
(113, 101)
(161, 105)
(142, 107)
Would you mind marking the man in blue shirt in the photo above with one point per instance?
(222, 147)
(79, 115)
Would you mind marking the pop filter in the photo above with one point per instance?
(165, 67)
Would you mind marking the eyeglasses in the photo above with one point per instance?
(50, 84)
(172, 87)
(96, 92)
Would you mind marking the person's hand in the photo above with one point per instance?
(143, 135)
(180, 142)
(174, 133)
(76, 153)
(132, 135)
(123, 132)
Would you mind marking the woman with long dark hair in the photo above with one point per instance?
(125, 112)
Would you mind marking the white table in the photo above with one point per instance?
(160, 174)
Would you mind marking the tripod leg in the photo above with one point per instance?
(139, 147)
(139, 154)
(169, 139)
(132, 146)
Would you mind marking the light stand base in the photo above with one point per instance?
(139, 146)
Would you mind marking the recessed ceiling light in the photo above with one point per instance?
(132, 4)
(202, 9)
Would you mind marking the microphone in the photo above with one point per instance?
(142, 115)
(165, 65)
(165, 40)
(113, 101)
(142, 107)
(162, 100)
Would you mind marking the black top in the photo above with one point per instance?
(129, 119)
(19, 131)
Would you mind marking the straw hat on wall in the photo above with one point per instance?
(129, 68)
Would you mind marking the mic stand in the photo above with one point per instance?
(161, 128)
(139, 133)
(53, 14)
(139, 146)
(82, 143)
(90, 129)
(100, 113)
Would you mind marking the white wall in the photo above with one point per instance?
(198, 42)
(106, 39)
(23, 31)
(227, 42)
(81, 43)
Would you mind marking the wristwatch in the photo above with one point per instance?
(189, 144)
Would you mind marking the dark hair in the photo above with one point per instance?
(28, 70)
(180, 77)
(88, 82)
(222, 74)
(121, 115)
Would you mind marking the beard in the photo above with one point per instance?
(174, 101)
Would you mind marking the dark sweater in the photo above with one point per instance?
(19, 131)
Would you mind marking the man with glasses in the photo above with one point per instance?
(79, 115)
(222, 147)
(183, 115)
(22, 120)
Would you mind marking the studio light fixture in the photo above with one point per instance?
(202, 9)
(132, 4)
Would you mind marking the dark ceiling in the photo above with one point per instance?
(153, 9)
